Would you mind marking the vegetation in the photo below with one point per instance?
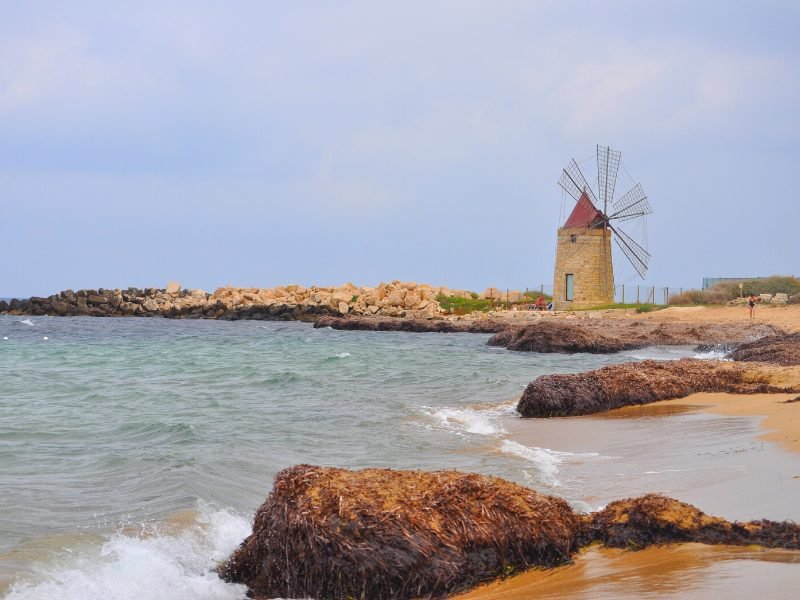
(534, 294)
(726, 291)
(462, 306)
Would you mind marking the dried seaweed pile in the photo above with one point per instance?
(333, 534)
(356, 323)
(775, 349)
(603, 336)
(377, 533)
(654, 519)
(638, 383)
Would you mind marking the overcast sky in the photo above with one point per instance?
(257, 144)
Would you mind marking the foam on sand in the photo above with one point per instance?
(545, 461)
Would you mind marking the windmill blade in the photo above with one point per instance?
(638, 256)
(631, 205)
(574, 183)
(607, 169)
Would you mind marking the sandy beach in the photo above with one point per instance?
(685, 570)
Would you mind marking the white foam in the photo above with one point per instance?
(470, 420)
(711, 355)
(26, 322)
(343, 355)
(129, 567)
(545, 460)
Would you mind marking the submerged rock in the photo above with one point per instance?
(407, 324)
(638, 383)
(602, 336)
(330, 533)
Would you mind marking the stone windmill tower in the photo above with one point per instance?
(584, 271)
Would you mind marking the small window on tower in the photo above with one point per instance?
(570, 287)
(573, 238)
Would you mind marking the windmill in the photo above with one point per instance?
(584, 271)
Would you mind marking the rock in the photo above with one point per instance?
(396, 535)
(395, 298)
(173, 287)
(780, 298)
(492, 294)
(636, 383)
(367, 323)
(598, 336)
(150, 305)
(95, 299)
(378, 533)
(344, 308)
(775, 349)
(60, 308)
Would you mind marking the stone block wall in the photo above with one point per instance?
(586, 254)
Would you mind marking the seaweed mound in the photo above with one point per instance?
(603, 336)
(357, 323)
(330, 533)
(655, 519)
(775, 349)
(378, 533)
(637, 383)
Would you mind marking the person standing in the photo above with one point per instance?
(751, 303)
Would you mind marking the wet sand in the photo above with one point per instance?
(675, 571)
(740, 481)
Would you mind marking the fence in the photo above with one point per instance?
(623, 294)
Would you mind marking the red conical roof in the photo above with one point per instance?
(584, 215)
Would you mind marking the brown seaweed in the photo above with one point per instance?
(638, 383)
(331, 533)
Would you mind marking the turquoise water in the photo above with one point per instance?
(133, 452)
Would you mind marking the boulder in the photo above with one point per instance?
(378, 533)
(343, 308)
(631, 384)
(396, 535)
(173, 287)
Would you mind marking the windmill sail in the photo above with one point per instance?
(574, 183)
(607, 169)
(638, 256)
(631, 205)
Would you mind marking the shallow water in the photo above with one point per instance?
(131, 446)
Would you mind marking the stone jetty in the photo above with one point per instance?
(393, 299)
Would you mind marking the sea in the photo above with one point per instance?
(134, 452)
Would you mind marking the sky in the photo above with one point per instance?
(266, 143)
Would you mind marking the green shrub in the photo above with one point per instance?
(463, 306)
(533, 295)
(726, 291)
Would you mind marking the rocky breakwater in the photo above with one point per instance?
(602, 336)
(639, 383)
(395, 299)
(330, 533)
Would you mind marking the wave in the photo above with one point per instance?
(27, 322)
(471, 420)
(545, 460)
(127, 566)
